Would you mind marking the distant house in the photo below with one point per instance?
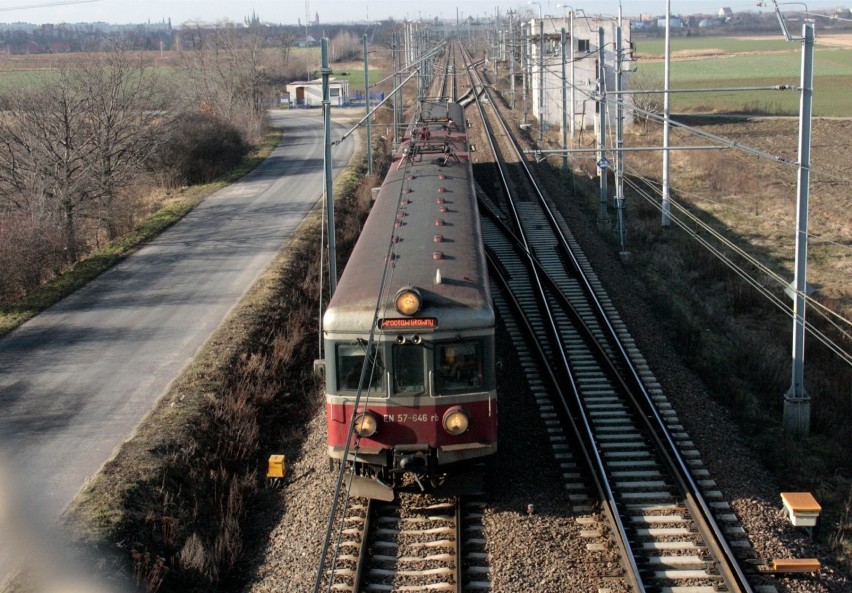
(674, 23)
(308, 93)
(726, 13)
(307, 41)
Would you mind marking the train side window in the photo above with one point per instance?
(458, 367)
(408, 369)
(350, 359)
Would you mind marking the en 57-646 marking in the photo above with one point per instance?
(410, 418)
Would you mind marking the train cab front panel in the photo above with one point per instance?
(424, 403)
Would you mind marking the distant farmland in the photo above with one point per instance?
(714, 62)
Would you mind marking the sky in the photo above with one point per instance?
(335, 11)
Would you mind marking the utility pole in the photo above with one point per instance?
(573, 86)
(603, 163)
(666, 205)
(564, 109)
(525, 67)
(329, 181)
(395, 65)
(797, 403)
(541, 77)
(619, 141)
(367, 107)
(512, 55)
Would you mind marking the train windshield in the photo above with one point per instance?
(350, 360)
(408, 369)
(458, 367)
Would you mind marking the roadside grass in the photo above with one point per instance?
(104, 258)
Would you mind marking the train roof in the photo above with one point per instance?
(425, 226)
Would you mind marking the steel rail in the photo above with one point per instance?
(699, 509)
(364, 549)
(593, 455)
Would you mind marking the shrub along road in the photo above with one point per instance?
(77, 379)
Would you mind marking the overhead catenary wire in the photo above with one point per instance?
(834, 318)
(773, 297)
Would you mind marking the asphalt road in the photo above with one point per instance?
(76, 380)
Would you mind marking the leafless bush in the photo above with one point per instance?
(149, 571)
(200, 147)
(225, 76)
(646, 101)
(346, 46)
(193, 556)
(31, 252)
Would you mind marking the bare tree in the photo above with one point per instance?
(78, 140)
(46, 151)
(346, 46)
(647, 101)
(127, 114)
(225, 75)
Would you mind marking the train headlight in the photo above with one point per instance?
(408, 301)
(456, 421)
(366, 424)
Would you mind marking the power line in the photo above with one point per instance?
(47, 5)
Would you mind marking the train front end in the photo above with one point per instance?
(409, 333)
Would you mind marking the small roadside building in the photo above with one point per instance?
(308, 93)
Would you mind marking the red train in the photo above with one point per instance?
(409, 333)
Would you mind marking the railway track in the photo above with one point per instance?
(668, 521)
(413, 544)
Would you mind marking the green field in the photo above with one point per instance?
(656, 47)
(24, 78)
(779, 65)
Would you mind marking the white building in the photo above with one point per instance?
(582, 34)
(308, 93)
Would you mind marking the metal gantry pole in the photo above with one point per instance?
(666, 205)
(525, 67)
(367, 107)
(541, 77)
(395, 65)
(619, 142)
(512, 55)
(564, 108)
(573, 86)
(603, 163)
(797, 404)
(329, 193)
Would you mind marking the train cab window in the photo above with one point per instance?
(458, 367)
(350, 359)
(408, 369)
